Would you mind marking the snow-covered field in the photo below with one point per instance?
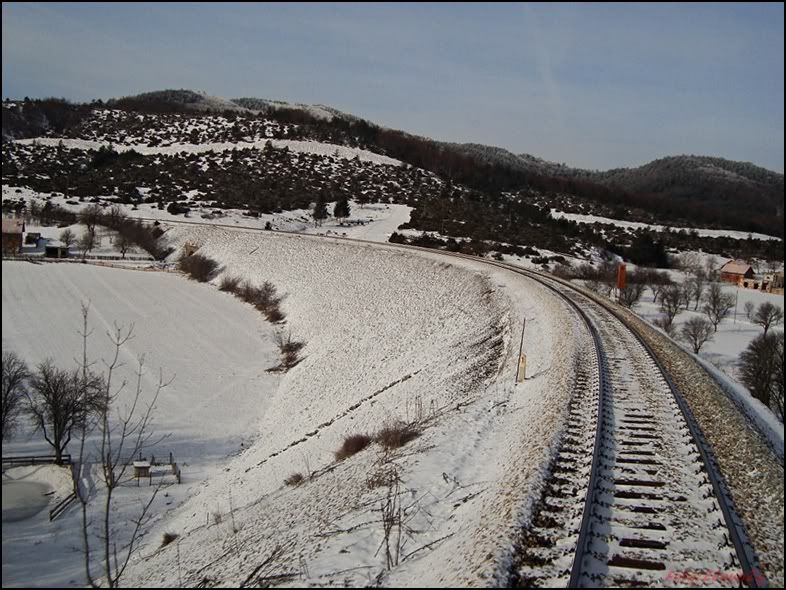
(216, 350)
(373, 222)
(389, 335)
(709, 233)
(734, 333)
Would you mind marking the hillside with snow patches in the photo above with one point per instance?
(389, 336)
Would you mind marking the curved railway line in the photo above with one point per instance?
(656, 510)
(634, 496)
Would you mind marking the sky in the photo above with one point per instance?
(594, 86)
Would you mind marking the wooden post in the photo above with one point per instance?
(522, 372)
(521, 353)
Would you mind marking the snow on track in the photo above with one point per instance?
(654, 504)
(645, 463)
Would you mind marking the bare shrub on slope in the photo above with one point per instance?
(198, 267)
(352, 444)
(289, 351)
(396, 433)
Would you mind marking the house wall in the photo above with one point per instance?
(12, 243)
(728, 277)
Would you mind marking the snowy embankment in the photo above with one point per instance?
(389, 336)
(704, 233)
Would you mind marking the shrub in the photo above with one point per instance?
(295, 479)
(275, 315)
(352, 444)
(264, 298)
(168, 538)
(198, 267)
(396, 434)
(175, 208)
(289, 351)
(229, 284)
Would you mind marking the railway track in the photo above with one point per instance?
(634, 496)
(655, 511)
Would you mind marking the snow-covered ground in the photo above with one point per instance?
(390, 335)
(105, 242)
(373, 222)
(710, 233)
(216, 350)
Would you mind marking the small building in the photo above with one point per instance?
(55, 249)
(776, 280)
(733, 271)
(13, 228)
(769, 283)
(756, 283)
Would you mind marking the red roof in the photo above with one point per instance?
(735, 267)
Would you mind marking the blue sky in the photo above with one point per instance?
(591, 85)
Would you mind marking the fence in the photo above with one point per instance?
(34, 460)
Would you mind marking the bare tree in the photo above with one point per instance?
(15, 374)
(115, 216)
(59, 401)
(122, 434)
(686, 293)
(123, 243)
(749, 307)
(68, 237)
(711, 268)
(87, 242)
(768, 315)
(670, 303)
(697, 332)
(697, 284)
(761, 369)
(658, 282)
(689, 262)
(631, 294)
(91, 216)
(717, 304)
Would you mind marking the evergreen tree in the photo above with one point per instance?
(320, 212)
(342, 209)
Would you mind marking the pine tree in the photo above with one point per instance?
(342, 209)
(320, 212)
